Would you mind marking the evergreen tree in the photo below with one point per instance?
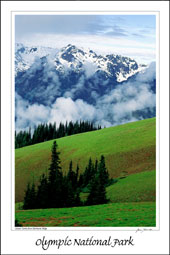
(70, 190)
(96, 166)
(33, 197)
(42, 193)
(27, 198)
(101, 197)
(72, 186)
(92, 198)
(55, 179)
(58, 191)
(45, 132)
(70, 128)
(77, 200)
(70, 200)
(97, 193)
(88, 173)
(72, 176)
(81, 181)
(65, 192)
(98, 184)
(103, 173)
(77, 175)
(30, 197)
(77, 189)
(68, 193)
(54, 131)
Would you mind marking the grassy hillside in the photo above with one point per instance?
(111, 215)
(137, 187)
(134, 188)
(129, 147)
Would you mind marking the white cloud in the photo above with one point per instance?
(65, 109)
(123, 101)
(149, 74)
(117, 107)
(29, 115)
(90, 68)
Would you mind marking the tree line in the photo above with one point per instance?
(46, 132)
(56, 190)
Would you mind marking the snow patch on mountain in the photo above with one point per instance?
(123, 76)
(78, 60)
(26, 56)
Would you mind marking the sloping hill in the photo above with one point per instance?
(127, 148)
(138, 187)
(134, 188)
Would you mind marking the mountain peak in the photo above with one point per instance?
(69, 48)
(78, 60)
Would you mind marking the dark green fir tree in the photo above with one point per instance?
(98, 184)
(30, 197)
(42, 193)
(55, 179)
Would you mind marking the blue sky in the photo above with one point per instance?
(130, 35)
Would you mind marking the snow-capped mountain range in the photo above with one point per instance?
(71, 57)
(76, 83)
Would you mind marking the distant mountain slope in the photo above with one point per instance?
(72, 84)
(69, 72)
(127, 148)
(25, 56)
(78, 60)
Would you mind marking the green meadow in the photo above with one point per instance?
(130, 154)
(127, 148)
(137, 187)
(109, 215)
